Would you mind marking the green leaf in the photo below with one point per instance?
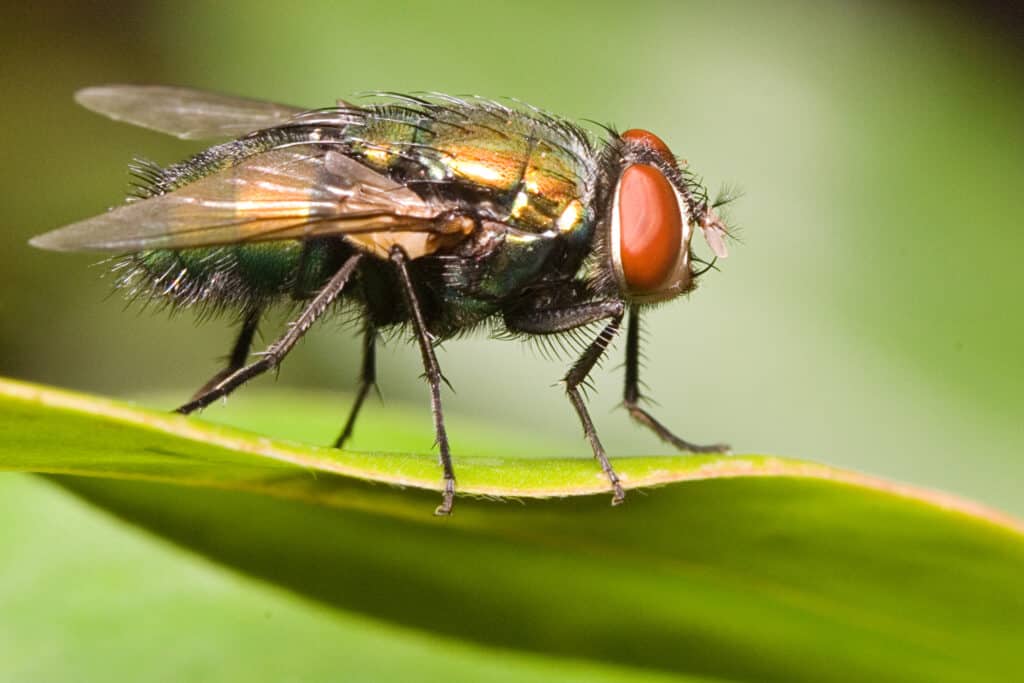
(746, 568)
(85, 599)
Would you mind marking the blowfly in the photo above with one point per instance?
(434, 213)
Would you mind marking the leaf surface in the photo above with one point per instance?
(752, 568)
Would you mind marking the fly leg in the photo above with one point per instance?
(632, 394)
(239, 352)
(367, 376)
(433, 373)
(549, 321)
(276, 352)
(367, 380)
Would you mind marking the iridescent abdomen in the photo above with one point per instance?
(236, 276)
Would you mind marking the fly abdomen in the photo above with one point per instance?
(231, 277)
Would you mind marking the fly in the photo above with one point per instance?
(438, 214)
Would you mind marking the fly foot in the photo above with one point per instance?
(619, 494)
(447, 499)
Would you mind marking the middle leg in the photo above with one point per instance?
(367, 380)
(434, 377)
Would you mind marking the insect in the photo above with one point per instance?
(437, 214)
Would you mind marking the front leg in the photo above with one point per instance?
(553, 320)
(631, 395)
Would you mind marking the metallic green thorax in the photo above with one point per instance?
(527, 176)
(531, 169)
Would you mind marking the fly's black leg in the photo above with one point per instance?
(276, 352)
(577, 375)
(632, 394)
(433, 373)
(367, 380)
(549, 321)
(239, 352)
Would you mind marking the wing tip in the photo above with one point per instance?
(110, 98)
(52, 241)
(97, 97)
(41, 242)
(74, 237)
(89, 94)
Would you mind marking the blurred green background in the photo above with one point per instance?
(870, 318)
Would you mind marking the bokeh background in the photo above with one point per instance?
(870, 317)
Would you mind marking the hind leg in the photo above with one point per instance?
(277, 351)
(239, 352)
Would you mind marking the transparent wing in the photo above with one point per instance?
(184, 112)
(295, 192)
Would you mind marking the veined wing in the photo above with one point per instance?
(184, 112)
(296, 192)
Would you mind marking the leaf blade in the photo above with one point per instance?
(737, 577)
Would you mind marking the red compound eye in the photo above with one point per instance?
(646, 137)
(650, 228)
